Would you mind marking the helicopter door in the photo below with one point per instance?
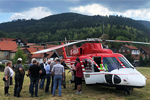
(90, 76)
(88, 65)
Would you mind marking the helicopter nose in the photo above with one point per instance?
(135, 80)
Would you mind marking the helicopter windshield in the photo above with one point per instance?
(111, 63)
(125, 62)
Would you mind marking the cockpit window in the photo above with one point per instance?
(125, 62)
(111, 63)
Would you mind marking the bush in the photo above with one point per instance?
(2, 66)
(26, 68)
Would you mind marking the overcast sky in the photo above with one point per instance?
(36, 9)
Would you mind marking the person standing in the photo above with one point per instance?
(65, 67)
(42, 76)
(58, 73)
(19, 77)
(11, 75)
(7, 76)
(48, 75)
(29, 74)
(34, 72)
(51, 66)
(74, 73)
(79, 75)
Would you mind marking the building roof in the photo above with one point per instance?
(146, 49)
(6, 39)
(131, 47)
(17, 49)
(39, 55)
(29, 44)
(23, 40)
(51, 45)
(36, 46)
(8, 45)
(59, 51)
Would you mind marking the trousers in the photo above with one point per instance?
(34, 81)
(18, 85)
(48, 77)
(57, 81)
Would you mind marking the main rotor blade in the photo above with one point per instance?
(127, 41)
(57, 47)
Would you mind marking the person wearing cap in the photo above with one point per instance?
(58, 73)
(19, 77)
(51, 66)
(79, 75)
(48, 75)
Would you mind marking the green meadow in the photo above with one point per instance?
(92, 92)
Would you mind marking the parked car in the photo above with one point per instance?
(4, 61)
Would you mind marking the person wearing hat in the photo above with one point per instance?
(19, 77)
(58, 73)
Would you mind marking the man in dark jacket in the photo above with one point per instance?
(42, 76)
(19, 77)
(34, 71)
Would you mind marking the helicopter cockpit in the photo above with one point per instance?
(111, 63)
(125, 62)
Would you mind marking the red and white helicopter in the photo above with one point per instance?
(102, 66)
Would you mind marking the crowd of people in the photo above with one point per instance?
(38, 73)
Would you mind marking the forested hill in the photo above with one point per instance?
(146, 23)
(75, 26)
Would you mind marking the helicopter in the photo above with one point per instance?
(102, 66)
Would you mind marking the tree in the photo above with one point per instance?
(104, 37)
(19, 54)
(141, 61)
(130, 58)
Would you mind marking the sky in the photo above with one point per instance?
(37, 9)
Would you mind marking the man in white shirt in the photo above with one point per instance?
(58, 73)
(48, 75)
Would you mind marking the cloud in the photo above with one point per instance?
(97, 9)
(34, 13)
(94, 9)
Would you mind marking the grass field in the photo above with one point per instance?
(94, 92)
